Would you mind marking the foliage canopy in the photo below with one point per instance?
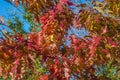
(43, 55)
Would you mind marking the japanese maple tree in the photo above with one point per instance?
(94, 57)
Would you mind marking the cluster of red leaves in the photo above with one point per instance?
(61, 61)
(15, 56)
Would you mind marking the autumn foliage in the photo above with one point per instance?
(44, 55)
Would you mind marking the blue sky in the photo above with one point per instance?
(8, 11)
(4, 7)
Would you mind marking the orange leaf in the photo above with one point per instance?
(44, 77)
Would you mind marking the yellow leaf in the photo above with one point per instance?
(52, 38)
(107, 46)
(91, 27)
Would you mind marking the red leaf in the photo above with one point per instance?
(59, 7)
(77, 60)
(39, 39)
(64, 1)
(94, 44)
(14, 69)
(16, 2)
(54, 68)
(31, 57)
(70, 3)
(66, 59)
(43, 19)
(106, 51)
(104, 30)
(74, 39)
(96, 40)
(0, 71)
(66, 71)
(111, 42)
(52, 16)
(44, 77)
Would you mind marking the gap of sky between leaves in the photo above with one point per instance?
(8, 12)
